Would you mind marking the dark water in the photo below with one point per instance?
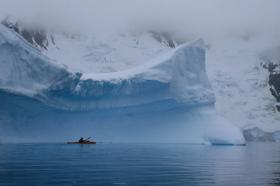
(139, 164)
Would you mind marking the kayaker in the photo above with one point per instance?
(81, 140)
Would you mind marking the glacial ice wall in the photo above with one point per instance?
(168, 99)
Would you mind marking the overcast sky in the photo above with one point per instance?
(203, 16)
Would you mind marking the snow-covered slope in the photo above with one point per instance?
(167, 99)
(104, 53)
(240, 82)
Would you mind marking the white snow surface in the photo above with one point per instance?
(240, 83)
(104, 53)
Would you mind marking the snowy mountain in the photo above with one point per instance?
(121, 88)
(242, 82)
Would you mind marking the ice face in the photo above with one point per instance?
(168, 99)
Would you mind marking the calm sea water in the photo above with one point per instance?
(139, 164)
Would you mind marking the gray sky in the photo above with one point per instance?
(199, 16)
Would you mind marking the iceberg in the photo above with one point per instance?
(168, 99)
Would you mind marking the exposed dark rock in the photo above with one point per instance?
(274, 82)
(256, 134)
(165, 37)
(278, 108)
(271, 62)
(35, 36)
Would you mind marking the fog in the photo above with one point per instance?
(203, 17)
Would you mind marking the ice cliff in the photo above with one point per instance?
(168, 99)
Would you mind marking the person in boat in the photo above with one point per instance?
(81, 140)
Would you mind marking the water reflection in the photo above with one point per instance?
(139, 164)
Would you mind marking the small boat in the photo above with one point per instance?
(83, 143)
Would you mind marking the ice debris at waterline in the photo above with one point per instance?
(168, 99)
